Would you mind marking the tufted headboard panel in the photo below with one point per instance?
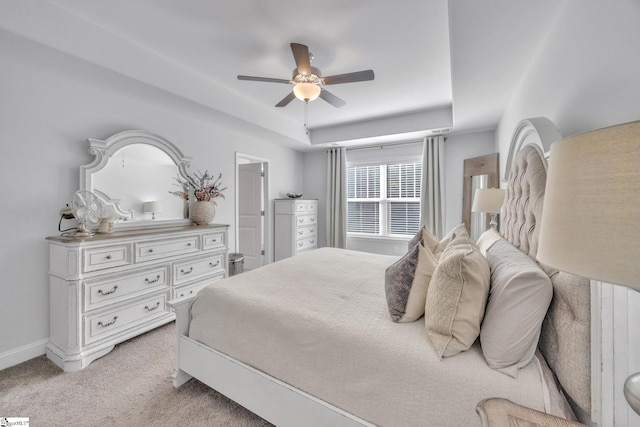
(565, 341)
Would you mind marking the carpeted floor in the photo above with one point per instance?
(131, 386)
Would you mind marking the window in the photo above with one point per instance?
(384, 200)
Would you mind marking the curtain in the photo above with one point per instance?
(337, 198)
(432, 197)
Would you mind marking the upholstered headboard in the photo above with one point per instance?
(566, 332)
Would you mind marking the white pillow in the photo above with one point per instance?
(487, 239)
(518, 302)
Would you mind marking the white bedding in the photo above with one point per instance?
(319, 322)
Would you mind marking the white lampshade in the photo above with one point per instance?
(488, 200)
(591, 216)
(306, 91)
(152, 207)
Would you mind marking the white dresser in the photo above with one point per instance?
(108, 288)
(296, 226)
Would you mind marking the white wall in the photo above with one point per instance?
(456, 149)
(50, 104)
(584, 76)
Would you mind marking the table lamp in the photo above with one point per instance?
(488, 200)
(152, 207)
(590, 221)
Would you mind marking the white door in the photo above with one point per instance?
(250, 214)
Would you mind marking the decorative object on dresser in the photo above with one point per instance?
(205, 189)
(109, 288)
(488, 200)
(152, 207)
(590, 221)
(296, 226)
(87, 209)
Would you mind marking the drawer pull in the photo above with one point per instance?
(312, 241)
(189, 244)
(312, 230)
(146, 307)
(104, 325)
(186, 272)
(301, 232)
(103, 293)
(190, 292)
(300, 243)
(214, 265)
(150, 250)
(108, 256)
(301, 220)
(150, 281)
(214, 240)
(312, 219)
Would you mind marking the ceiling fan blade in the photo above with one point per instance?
(358, 76)
(286, 100)
(331, 98)
(263, 79)
(301, 55)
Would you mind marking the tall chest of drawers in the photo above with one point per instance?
(111, 287)
(296, 227)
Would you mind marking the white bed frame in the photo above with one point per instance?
(268, 397)
(264, 395)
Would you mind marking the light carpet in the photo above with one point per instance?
(130, 386)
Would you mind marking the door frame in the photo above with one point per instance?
(242, 158)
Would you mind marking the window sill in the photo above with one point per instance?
(386, 238)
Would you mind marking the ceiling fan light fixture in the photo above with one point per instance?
(306, 91)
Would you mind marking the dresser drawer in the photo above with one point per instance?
(308, 231)
(155, 249)
(192, 290)
(214, 241)
(305, 220)
(100, 326)
(187, 271)
(95, 259)
(306, 243)
(306, 206)
(116, 288)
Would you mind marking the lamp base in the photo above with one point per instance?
(632, 391)
(494, 222)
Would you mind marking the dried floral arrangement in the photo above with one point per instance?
(205, 188)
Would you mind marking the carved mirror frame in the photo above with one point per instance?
(104, 150)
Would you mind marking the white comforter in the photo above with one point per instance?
(319, 322)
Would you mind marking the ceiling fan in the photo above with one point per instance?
(308, 80)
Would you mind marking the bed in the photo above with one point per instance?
(309, 340)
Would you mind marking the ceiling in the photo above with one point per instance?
(440, 66)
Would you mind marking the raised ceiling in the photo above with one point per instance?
(439, 65)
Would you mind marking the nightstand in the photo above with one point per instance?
(497, 412)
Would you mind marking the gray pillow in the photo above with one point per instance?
(518, 302)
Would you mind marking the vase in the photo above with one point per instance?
(202, 212)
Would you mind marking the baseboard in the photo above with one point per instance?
(22, 354)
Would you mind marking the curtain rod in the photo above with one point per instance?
(391, 144)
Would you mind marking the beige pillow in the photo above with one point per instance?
(424, 235)
(457, 231)
(518, 302)
(456, 298)
(406, 284)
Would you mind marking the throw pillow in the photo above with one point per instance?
(457, 231)
(518, 302)
(456, 297)
(424, 235)
(406, 284)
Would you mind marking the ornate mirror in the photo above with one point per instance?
(134, 172)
